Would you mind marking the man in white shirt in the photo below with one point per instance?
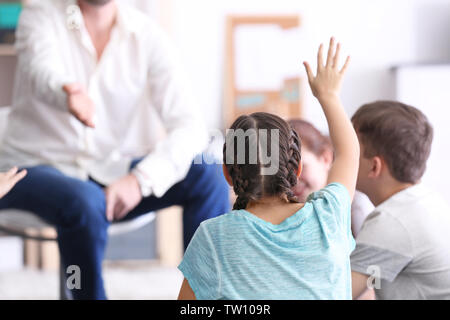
(91, 73)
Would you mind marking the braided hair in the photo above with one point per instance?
(249, 182)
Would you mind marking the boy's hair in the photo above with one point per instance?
(311, 138)
(399, 133)
(248, 181)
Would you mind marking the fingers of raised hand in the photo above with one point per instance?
(320, 58)
(336, 56)
(344, 68)
(330, 56)
(309, 72)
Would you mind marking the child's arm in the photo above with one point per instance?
(9, 179)
(326, 86)
(186, 292)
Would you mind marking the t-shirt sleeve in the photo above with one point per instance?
(200, 266)
(361, 208)
(333, 206)
(383, 245)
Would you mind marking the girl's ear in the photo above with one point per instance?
(327, 157)
(377, 164)
(300, 168)
(227, 175)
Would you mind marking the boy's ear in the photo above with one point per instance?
(377, 165)
(300, 169)
(227, 175)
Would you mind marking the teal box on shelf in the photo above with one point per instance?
(9, 14)
(9, 17)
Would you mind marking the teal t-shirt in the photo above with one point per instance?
(240, 256)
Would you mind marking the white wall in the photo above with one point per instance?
(377, 34)
(7, 69)
(427, 88)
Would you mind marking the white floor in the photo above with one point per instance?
(123, 281)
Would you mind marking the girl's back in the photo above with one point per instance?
(241, 256)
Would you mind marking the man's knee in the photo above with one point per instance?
(206, 173)
(208, 180)
(85, 207)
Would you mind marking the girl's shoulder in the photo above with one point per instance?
(233, 215)
(234, 219)
(334, 192)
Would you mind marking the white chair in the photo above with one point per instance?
(17, 223)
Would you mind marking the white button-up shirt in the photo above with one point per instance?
(142, 106)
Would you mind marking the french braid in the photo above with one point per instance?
(248, 182)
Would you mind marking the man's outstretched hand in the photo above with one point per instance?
(9, 179)
(79, 103)
(122, 197)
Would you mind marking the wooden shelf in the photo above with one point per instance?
(7, 50)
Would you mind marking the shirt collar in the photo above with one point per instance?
(407, 195)
(124, 22)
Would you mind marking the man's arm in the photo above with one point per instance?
(41, 64)
(38, 54)
(326, 86)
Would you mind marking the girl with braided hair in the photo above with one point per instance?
(272, 246)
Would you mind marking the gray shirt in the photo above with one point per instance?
(405, 244)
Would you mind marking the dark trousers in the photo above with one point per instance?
(77, 209)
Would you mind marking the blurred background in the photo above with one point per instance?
(238, 57)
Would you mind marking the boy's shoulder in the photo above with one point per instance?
(404, 211)
(412, 199)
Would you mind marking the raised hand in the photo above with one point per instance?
(9, 179)
(326, 86)
(80, 105)
(329, 78)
